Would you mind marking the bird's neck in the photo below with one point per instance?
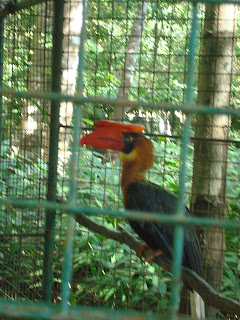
(131, 173)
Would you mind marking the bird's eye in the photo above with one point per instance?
(127, 139)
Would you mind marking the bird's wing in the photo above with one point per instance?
(143, 196)
(192, 250)
(146, 196)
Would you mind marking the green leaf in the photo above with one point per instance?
(88, 121)
(109, 294)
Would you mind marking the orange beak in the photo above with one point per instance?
(109, 134)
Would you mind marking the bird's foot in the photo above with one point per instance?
(152, 255)
(149, 258)
(140, 250)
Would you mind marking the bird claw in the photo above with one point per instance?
(152, 255)
(140, 250)
(149, 258)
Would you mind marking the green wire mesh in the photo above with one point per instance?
(40, 258)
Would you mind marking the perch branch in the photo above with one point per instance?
(209, 295)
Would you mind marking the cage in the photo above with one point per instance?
(67, 249)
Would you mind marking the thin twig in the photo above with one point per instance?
(209, 295)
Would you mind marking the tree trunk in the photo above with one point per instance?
(34, 135)
(130, 59)
(72, 29)
(210, 157)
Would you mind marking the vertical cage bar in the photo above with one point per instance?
(179, 230)
(1, 72)
(53, 148)
(68, 252)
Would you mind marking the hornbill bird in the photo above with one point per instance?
(136, 153)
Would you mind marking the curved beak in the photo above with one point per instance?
(109, 134)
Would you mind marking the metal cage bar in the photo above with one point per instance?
(68, 252)
(179, 231)
(202, 109)
(53, 148)
(126, 214)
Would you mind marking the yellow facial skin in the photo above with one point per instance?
(136, 163)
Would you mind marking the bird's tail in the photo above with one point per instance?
(197, 306)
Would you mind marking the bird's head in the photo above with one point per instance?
(128, 139)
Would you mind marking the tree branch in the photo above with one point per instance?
(209, 295)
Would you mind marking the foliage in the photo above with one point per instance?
(21, 257)
(233, 187)
(160, 70)
(19, 71)
(103, 275)
(230, 285)
(17, 61)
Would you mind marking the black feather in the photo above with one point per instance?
(147, 196)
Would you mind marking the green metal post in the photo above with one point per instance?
(68, 252)
(53, 148)
(1, 72)
(179, 230)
